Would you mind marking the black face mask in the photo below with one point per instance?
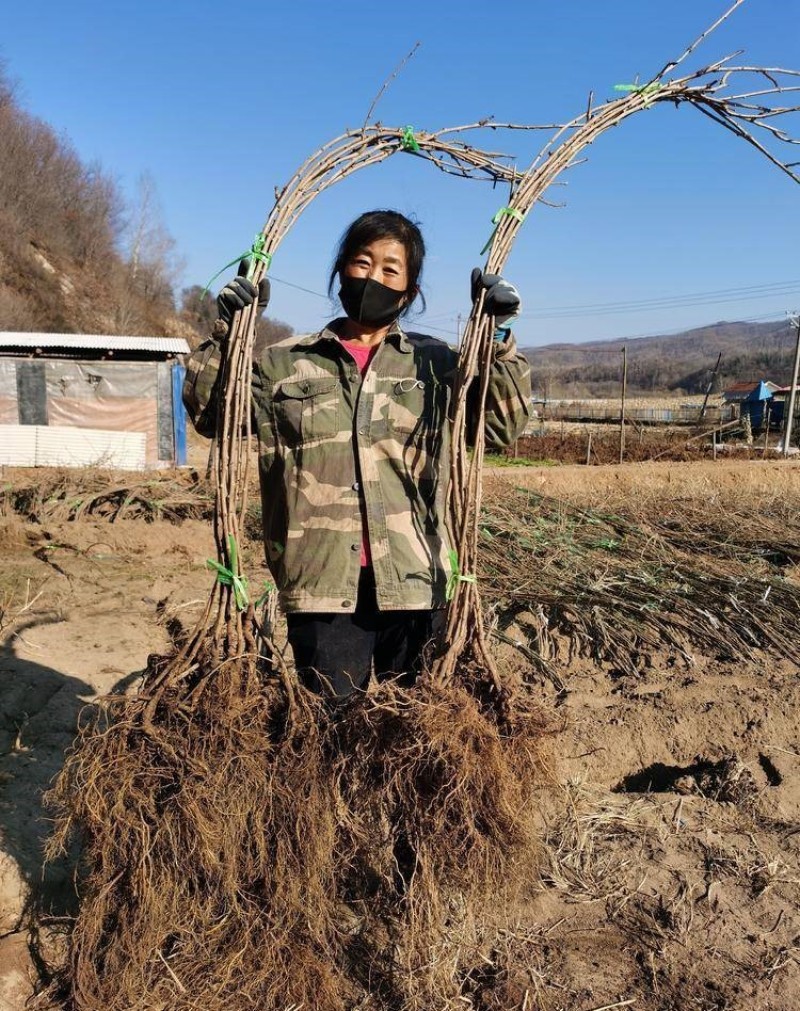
(370, 302)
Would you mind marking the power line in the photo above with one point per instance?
(722, 296)
(660, 298)
(291, 284)
(697, 299)
(581, 345)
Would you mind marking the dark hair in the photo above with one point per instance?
(374, 225)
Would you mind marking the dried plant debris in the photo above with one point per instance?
(619, 587)
(74, 494)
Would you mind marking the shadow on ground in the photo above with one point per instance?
(39, 711)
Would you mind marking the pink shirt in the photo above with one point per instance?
(363, 355)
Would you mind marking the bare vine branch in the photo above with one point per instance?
(387, 82)
(223, 627)
(698, 41)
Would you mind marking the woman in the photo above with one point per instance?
(353, 435)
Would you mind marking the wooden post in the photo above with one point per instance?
(709, 387)
(589, 450)
(767, 417)
(714, 444)
(788, 416)
(622, 404)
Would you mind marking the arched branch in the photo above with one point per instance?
(722, 91)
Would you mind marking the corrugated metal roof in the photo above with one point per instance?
(742, 386)
(94, 342)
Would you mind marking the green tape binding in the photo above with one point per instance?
(456, 576)
(255, 253)
(230, 577)
(511, 212)
(408, 142)
(268, 588)
(640, 89)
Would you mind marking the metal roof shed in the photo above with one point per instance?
(744, 389)
(753, 404)
(91, 400)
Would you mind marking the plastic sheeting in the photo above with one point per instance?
(111, 396)
(8, 411)
(123, 414)
(124, 397)
(101, 381)
(8, 378)
(9, 414)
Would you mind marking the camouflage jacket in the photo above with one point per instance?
(336, 451)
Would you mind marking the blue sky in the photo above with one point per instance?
(219, 103)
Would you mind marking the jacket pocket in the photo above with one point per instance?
(307, 409)
(416, 408)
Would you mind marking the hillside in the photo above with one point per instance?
(677, 363)
(75, 257)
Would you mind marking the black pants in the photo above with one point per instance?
(336, 653)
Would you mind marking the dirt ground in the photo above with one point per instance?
(671, 878)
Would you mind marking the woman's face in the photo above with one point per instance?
(383, 260)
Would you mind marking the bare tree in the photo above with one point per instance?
(153, 266)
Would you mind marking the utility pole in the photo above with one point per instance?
(710, 387)
(458, 330)
(622, 402)
(788, 418)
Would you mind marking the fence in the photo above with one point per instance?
(587, 410)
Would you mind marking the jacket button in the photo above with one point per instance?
(363, 431)
(356, 486)
(355, 547)
(347, 603)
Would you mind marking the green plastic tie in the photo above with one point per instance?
(268, 588)
(408, 142)
(456, 576)
(640, 89)
(511, 212)
(255, 253)
(230, 576)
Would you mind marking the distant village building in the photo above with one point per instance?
(76, 400)
(740, 391)
(780, 404)
(755, 401)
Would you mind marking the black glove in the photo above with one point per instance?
(240, 292)
(501, 301)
